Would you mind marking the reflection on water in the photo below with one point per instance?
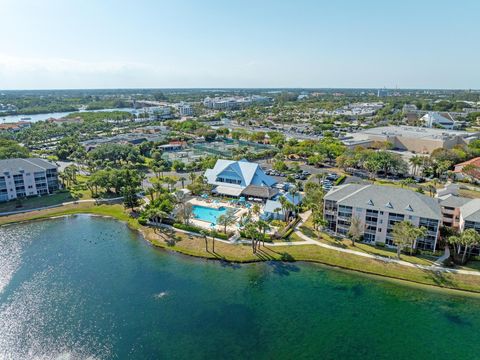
(83, 287)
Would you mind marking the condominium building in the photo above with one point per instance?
(461, 214)
(27, 177)
(378, 208)
(185, 109)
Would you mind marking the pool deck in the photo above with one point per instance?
(215, 204)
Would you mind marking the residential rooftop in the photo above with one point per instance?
(386, 198)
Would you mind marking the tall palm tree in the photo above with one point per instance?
(263, 227)
(252, 233)
(204, 234)
(415, 161)
(182, 179)
(226, 220)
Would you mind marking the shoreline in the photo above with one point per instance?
(242, 254)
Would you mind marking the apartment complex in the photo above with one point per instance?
(378, 208)
(27, 177)
(435, 119)
(185, 109)
(415, 139)
(230, 103)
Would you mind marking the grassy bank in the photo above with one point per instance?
(195, 246)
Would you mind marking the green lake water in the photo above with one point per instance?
(88, 287)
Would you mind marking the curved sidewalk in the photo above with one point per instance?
(434, 268)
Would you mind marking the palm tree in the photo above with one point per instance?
(226, 219)
(405, 234)
(182, 179)
(355, 230)
(263, 227)
(151, 193)
(468, 238)
(285, 205)
(252, 233)
(157, 215)
(416, 162)
(204, 234)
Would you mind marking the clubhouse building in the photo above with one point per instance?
(241, 178)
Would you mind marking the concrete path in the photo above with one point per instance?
(435, 267)
(58, 205)
(445, 256)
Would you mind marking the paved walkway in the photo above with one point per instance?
(58, 205)
(435, 267)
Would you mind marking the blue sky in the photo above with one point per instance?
(239, 43)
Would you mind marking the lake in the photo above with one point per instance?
(88, 287)
(40, 117)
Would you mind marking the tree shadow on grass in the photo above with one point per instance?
(168, 235)
(439, 278)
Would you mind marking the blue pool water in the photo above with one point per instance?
(208, 214)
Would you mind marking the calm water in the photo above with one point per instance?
(56, 115)
(82, 287)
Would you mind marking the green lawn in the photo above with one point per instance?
(195, 246)
(469, 193)
(36, 202)
(307, 229)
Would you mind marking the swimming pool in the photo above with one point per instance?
(208, 214)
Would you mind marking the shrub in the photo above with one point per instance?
(288, 233)
(185, 227)
(379, 244)
(340, 180)
(142, 221)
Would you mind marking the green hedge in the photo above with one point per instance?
(340, 180)
(186, 227)
(288, 233)
(268, 238)
(197, 229)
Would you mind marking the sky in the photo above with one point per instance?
(56, 44)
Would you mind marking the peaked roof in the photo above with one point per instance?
(250, 173)
(386, 198)
(471, 210)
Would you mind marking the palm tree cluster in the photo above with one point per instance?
(405, 234)
(466, 240)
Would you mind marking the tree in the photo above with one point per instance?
(263, 227)
(285, 204)
(204, 234)
(405, 234)
(416, 162)
(182, 180)
(467, 239)
(252, 233)
(226, 219)
(10, 149)
(355, 230)
(130, 198)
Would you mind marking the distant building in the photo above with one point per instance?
(27, 177)
(378, 208)
(408, 108)
(434, 119)
(231, 103)
(173, 146)
(185, 109)
(470, 168)
(159, 112)
(411, 138)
